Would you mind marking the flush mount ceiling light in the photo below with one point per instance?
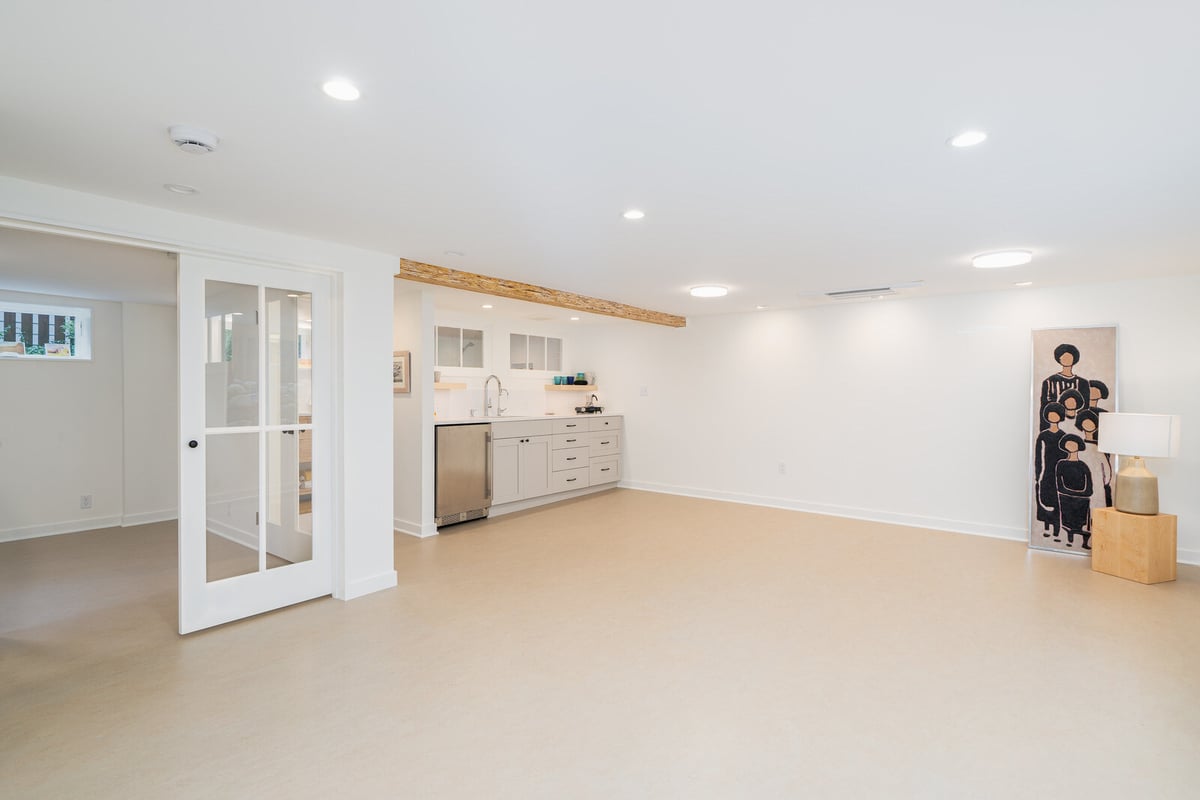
(1002, 258)
(1023, 283)
(180, 188)
(968, 139)
(760, 308)
(634, 213)
(487, 305)
(574, 319)
(708, 291)
(340, 89)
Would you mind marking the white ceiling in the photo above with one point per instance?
(50, 264)
(780, 148)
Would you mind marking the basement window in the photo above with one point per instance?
(45, 332)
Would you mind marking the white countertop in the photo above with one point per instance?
(480, 420)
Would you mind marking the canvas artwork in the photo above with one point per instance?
(1074, 384)
(401, 374)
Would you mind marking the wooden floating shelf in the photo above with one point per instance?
(449, 386)
(587, 387)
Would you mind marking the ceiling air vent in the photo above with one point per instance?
(196, 141)
(853, 294)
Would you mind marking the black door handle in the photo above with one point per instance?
(193, 443)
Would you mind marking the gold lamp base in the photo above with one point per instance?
(1137, 489)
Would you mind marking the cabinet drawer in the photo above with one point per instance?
(605, 470)
(570, 479)
(565, 440)
(570, 425)
(572, 458)
(605, 443)
(605, 424)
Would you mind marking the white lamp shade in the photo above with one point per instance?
(1146, 435)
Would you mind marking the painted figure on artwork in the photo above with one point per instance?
(1046, 456)
(1072, 403)
(1074, 484)
(1065, 380)
(1097, 391)
(1099, 463)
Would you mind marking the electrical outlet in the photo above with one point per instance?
(782, 468)
(85, 501)
(645, 391)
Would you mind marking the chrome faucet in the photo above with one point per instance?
(487, 401)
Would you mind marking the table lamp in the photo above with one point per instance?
(1139, 436)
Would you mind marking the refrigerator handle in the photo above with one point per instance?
(488, 468)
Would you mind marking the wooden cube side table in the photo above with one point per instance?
(1137, 547)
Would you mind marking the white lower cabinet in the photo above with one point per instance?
(520, 461)
(535, 458)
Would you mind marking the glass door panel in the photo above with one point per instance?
(231, 369)
(231, 495)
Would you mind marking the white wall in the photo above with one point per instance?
(527, 395)
(61, 432)
(105, 427)
(410, 331)
(913, 411)
(151, 413)
(363, 281)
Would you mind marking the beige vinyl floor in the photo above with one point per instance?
(624, 645)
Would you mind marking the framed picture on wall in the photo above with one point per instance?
(401, 372)
(1074, 384)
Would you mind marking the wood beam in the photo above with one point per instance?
(515, 290)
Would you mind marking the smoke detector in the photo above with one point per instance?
(196, 141)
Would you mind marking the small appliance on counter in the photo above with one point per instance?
(591, 407)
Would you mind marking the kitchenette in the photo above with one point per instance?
(497, 465)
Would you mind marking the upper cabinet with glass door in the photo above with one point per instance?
(526, 351)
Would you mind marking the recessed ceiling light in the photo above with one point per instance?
(486, 305)
(180, 188)
(340, 89)
(968, 139)
(1023, 283)
(574, 319)
(1002, 258)
(634, 213)
(454, 253)
(760, 308)
(709, 291)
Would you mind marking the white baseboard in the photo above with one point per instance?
(58, 528)
(147, 517)
(414, 528)
(375, 583)
(1187, 556)
(235, 535)
(849, 512)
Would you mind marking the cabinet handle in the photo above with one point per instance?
(605, 469)
(571, 440)
(606, 443)
(572, 458)
(572, 480)
(572, 425)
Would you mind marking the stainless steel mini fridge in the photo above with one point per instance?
(463, 484)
